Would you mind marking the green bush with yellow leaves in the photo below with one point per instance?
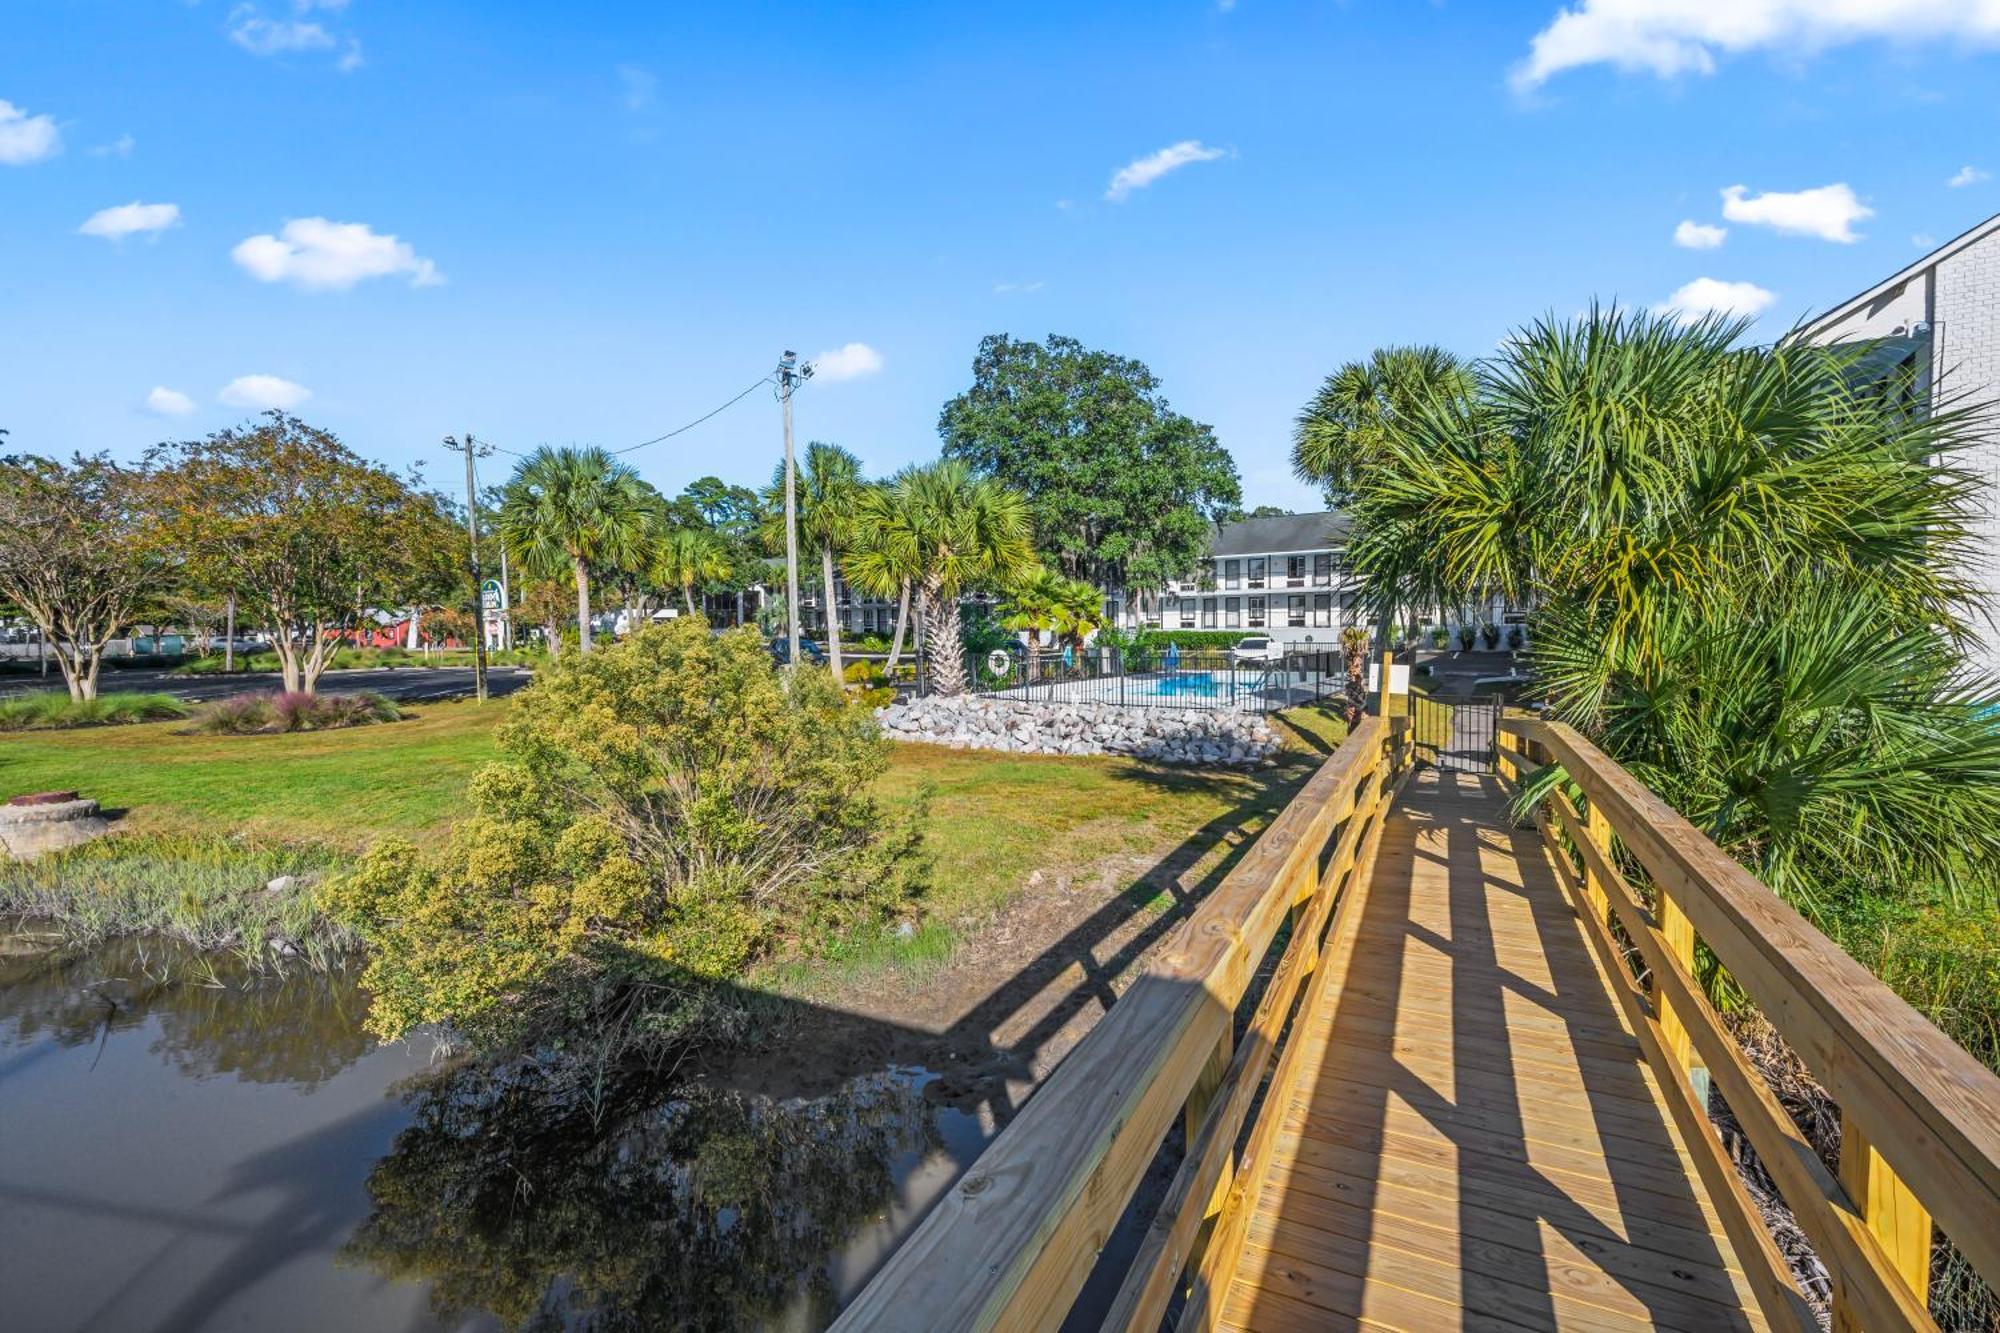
(666, 810)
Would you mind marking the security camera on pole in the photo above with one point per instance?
(790, 375)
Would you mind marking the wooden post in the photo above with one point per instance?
(1892, 1212)
(1388, 658)
(1598, 828)
(1200, 1097)
(1677, 933)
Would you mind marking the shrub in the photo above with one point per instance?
(1516, 636)
(875, 690)
(260, 713)
(666, 809)
(1466, 635)
(1439, 638)
(1490, 632)
(52, 710)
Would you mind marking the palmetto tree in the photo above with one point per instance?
(955, 531)
(1032, 604)
(567, 510)
(686, 557)
(1743, 564)
(1340, 430)
(879, 559)
(829, 488)
(1079, 613)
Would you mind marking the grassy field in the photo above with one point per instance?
(995, 819)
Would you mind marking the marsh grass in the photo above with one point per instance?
(205, 891)
(265, 713)
(54, 710)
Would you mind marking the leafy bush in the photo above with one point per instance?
(875, 690)
(1466, 635)
(1439, 638)
(1516, 636)
(50, 710)
(1490, 632)
(666, 809)
(263, 713)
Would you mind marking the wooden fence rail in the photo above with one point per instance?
(1014, 1241)
(1920, 1118)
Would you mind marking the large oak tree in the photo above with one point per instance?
(1122, 490)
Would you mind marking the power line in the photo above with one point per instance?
(661, 439)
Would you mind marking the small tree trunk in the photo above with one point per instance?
(555, 638)
(832, 611)
(902, 622)
(414, 638)
(582, 572)
(687, 597)
(80, 687)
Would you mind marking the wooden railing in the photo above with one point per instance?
(1014, 1241)
(1920, 1118)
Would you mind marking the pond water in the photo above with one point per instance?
(183, 1147)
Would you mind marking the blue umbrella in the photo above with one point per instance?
(1173, 657)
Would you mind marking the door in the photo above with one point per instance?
(1458, 736)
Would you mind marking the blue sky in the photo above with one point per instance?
(608, 219)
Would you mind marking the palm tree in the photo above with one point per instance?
(1031, 609)
(684, 557)
(829, 486)
(954, 530)
(1744, 568)
(879, 561)
(568, 509)
(1342, 427)
(1078, 613)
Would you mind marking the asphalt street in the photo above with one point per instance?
(403, 684)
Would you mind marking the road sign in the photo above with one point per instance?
(490, 594)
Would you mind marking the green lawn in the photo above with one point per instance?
(995, 818)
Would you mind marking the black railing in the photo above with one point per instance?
(1210, 680)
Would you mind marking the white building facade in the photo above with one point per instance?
(1285, 576)
(1946, 309)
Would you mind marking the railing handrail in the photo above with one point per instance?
(1015, 1239)
(1921, 1116)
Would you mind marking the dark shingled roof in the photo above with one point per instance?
(1286, 532)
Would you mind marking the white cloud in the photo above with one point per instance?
(1923, 240)
(848, 362)
(261, 393)
(1692, 235)
(350, 59)
(25, 138)
(124, 220)
(320, 255)
(1713, 296)
(1007, 288)
(122, 146)
(1968, 175)
(262, 36)
(1143, 171)
(166, 402)
(1828, 212)
(1673, 37)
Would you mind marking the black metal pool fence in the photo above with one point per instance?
(1213, 680)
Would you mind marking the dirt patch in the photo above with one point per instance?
(1022, 987)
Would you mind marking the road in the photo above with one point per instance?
(403, 684)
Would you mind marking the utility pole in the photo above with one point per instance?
(790, 375)
(470, 449)
(229, 636)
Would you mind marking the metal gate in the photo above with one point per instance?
(1457, 736)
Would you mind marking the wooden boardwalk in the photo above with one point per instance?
(1471, 1137)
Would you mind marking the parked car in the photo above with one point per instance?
(1257, 648)
(781, 651)
(220, 643)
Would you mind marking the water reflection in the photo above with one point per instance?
(516, 1193)
(184, 1146)
(208, 1014)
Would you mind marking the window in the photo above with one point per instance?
(1256, 571)
(1322, 610)
(1232, 613)
(1295, 611)
(1295, 571)
(1187, 612)
(1256, 613)
(1232, 574)
(1208, 613)
(1322, 569)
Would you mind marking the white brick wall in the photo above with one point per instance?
(1966, 328)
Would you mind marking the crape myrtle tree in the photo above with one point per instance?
(78, 554)
(298, 526)
(1122, 490)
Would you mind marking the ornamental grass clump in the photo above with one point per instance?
(265, 713)
(667, 809)
(47, 710)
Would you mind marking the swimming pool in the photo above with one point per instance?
(1250, 690)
